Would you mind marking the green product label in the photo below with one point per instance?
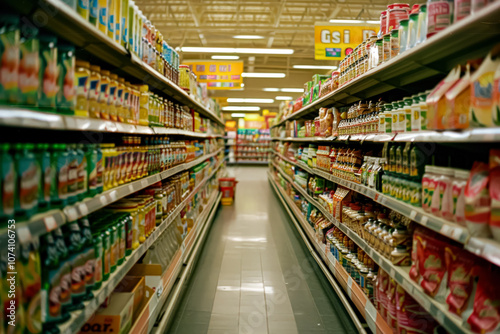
(48, 78)
(9, 66)
(29, 68)
(408, 122)
(26, 198)
(8, 180)
(66, 96)
(98, 265)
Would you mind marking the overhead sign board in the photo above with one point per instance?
(334, 42)
(218, 74)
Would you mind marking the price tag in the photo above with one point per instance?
(144, 183)
(446, 230)
(392, 273)
(424, 220)
(50, 223)
(24, 234)
(407, 286)
(131, 188)
(83, 209)
(89, 311)
(71, 213)
(413, 214)
(113, 195)
(349, 286)
(422, 299)
(103, 200)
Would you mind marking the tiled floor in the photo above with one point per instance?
(255, 275)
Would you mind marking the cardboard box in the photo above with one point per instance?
(115, 318)
(135, 285)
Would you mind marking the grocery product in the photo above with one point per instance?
(477, 201)
(9, 52)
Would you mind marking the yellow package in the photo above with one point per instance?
(481, 93)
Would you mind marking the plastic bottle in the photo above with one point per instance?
(48, 85)
(82, 176)
(98, 265)
(82, 85)
(90, 152)
(111, 18)
(89, 256)
(7, 183)
(44, 164)
(65, 272)
(74, 243)
(104, 95)
(72, 174)
(94, 92)
(113, 87)
(408, 101)
(66, 97)
(26, 187)
(29, 66)
(9, 50)
(422, 24)
(94, 12)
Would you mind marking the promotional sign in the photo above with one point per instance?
(217, 74)
(334, 42)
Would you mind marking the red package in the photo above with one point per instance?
(412, 318)
(432, 265)
(478, 201)
(460, 266)
(495, 193)
(417, 238)
(392, 317)
(381, 291)
(485, 316)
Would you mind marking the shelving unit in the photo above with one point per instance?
(375, 321)
(448, 320)
(464, 40)
(79, 318)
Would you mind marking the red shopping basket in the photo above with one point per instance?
(227, 186)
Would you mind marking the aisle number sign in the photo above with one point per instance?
(334, 42)
(218, 74)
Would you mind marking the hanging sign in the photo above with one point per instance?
(334, 42)
(218, 74)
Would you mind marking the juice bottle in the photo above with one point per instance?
(90, 152)
(82, 84)
(9, 53)
(42, 155)
(29, 66)
(103, 16)
(111, 18)
(94, 92)
(89, 255)
(52, 311)
(104, 95)
(59, 167)
(119, 100)
(26, 187)
(113, 85)
(124, 22)
(66, 96)
(82, 7)
(98, 265)
(93, 12)
(72, 173)
(48, 85)
(64, 272)
(29, 269)
(7, 184)
(82, 176)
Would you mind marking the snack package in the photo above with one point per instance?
(460, 266)
(481, 90)
(495, 193)
(458, 102)
(392, 320)
(411, 317)
(381, 292)
(432, 264)
(478, 201)
(496, 96)
(417, 237)
(436, 101)
(485, 316)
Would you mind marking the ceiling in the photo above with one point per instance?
(283, 24)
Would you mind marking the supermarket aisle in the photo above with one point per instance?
(255, 276)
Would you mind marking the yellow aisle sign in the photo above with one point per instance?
(218, 74)
(333, 42)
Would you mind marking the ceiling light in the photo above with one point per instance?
(248, 37)
(262, 75)
(235, 115)
(283, 98)
(314, 67)
(241, 108)
(239, 100)
(354, 21)
(237, 50)
(292, 90)
(271, 90)
(226, 57)
(242, 85)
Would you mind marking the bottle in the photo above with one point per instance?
(98, 265)
(89, 256)
(74, 243)
(7, 184)
(82, 176)
(82, 84)
(29, 66)
(94, 92)
(83, 9)
(66, 96)
(64, 272)
(26, 187)
(45, 178)
(72, 174)
(48, 85)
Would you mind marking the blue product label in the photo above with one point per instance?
(102, 16)
(93, 84)
(83, 4)
(94, 8)
(117, 30)
(111, 23)
(124, 35)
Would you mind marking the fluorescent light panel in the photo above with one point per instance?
(314, 67)
(245, 100)
(271, 89)
(292, 90)
(283, 98)
(355, 21)
(226, 57)
(236, 115)
(237, 50)
(248, 37)
(263, 75)
(240, 108)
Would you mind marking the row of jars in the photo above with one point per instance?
(391, 240)
(354, 260)
(101, 94)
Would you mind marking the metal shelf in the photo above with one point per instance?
(66, 23)
(79, 318)
(48, 221)
(459, 136)
(488, 249)
(467, 39)
(450, 321)
(26, 118)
